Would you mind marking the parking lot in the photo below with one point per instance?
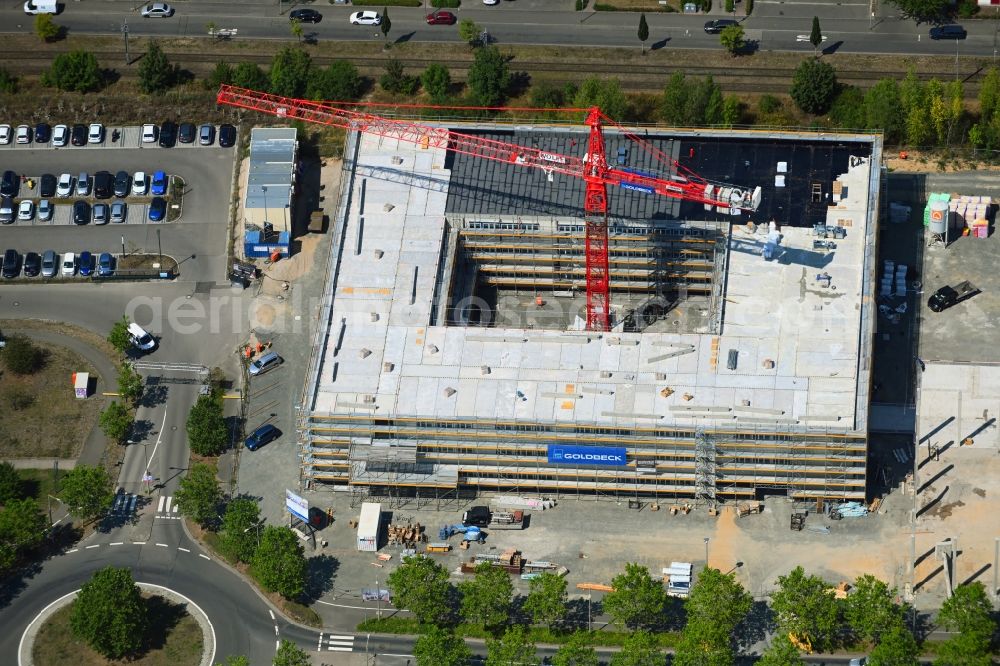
(194, 233)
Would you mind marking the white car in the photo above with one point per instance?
(60, 135)
(26, 211)
(149, 133)
(366, 18)
(491, 2)
(64, 187)
(96, 133)
(140, 183)
(23, 134)
(69, 264)
(157, 10)
(5, 132)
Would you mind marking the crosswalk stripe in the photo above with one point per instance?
(340, 649)
(159, 507)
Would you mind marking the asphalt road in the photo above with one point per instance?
(774, 25)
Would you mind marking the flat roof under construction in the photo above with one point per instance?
(793, 351)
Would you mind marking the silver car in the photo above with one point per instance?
(100, 213)
(50, 263)
(157, 10)
(45, 209)
(119, 212)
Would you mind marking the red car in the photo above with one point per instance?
(441, 18)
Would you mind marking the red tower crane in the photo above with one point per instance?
(593, 168)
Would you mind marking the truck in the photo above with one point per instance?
(41, 7)
(370, 527)
(484, 517)
(947, 296)
(678, 579)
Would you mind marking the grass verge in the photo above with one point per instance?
(39, 483)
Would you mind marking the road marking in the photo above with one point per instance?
(117, 543)
(340, 649)
(139, 543)
(277, 644)
(183, 549)
(327, 603)
(336, 643)
(340, 638)
(97, 546)
(159, 507)
(159, 436)
(205, 556)
(163, 545)
(275, 630)
(271, 613)
(72, 551)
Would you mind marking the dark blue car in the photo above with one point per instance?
(261, 436)
(157, 209)
(86, 263)
(105, 265)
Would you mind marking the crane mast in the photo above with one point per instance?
(593, 168)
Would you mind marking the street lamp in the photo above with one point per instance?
(267, 215)
(706, 552)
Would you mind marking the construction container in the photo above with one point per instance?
(678, 579)
(369, 526)
(438, 547)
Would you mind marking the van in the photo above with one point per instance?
(140, 338)
(264, 363)
(41, 7)
(69, 264)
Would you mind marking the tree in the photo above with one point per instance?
(806, 607)
(87, 491)
(21, 355)
(716, 605)
(386, 25)
(421, 585)
(8, 82)
(236, 660)
(547, 599)
(513, 648)
(922, 9)
(884, 110)
(221, 74)
(703, 645)
(440, 647)
(206, 425)
(118, 337)
(290, 72)
(486, 598)
(733, 39)
(296, 28)
(576, 651)
(639, 649)
(156, 74)
(22, 524)
(279, 563)
(781, 652)
(604, 93)
(47, 29)
(395, 79)
(643, 31)
(198, 495)
(240, 525)
(870, 609)
(469, 30)
(964, 650)
(130, 384)
(637, 599)
(896, 647)
(815, 35)
(989, 92)
(969, 612)
(436, 81)
(11, 487)
(489, 76)
(340, 81)
(290, 654)
(116, 422)
(109, 613)
(674, 99)
(250, 75)
(75, 71)
(814, 85)
(732, 110)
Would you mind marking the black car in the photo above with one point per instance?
(186, 133)
(11, 263)
(305, 16)
(81, 212)
(948, 32)
(78, 135)
(122, 184)
(9, 184)
(32, 264)
(42, 133)
(47, 185)
(227, 136)
(718, 25)
(168, 134)
(103, 185)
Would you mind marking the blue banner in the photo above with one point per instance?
(602, 456)
(636, 188)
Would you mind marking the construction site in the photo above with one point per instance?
(565, 311)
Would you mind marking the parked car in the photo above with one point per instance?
(227, 136)
(23, 134)
(105, 265)
(305, 16)
(951, 31)
(32, 264)
(83, 185)
(5, 134)
(103, 184)
(42, 133)
(26, 211)
(140, 183)
(64, 187)
(261, 436)
(150, 133)
(119, 212)
(78, 135)
(45, 210)
(81, 212)
(140, 338)
(168, 134)
(101, 213)
(86, 263)
(206, 135)
(157, 209)
(11, 263)
(366, 18)
(9, 184)
(69, 264)
(159, 183)
(186, 133)
(122, 184)
(441, 18)
(95, 133)
(6, 210)
(47, 185)
(264, 363)
(60, 135)
(157, 10)
(50, 261)
(718, 25)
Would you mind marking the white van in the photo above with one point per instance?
(69, 264)
(140, 338)
(41, 7)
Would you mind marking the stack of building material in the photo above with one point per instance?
(852, 509)
(407, 535)
(888, 271)
(901, 280)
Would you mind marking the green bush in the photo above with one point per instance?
(445, 4)
(730, 6)
(8, 82)
(749, 8)
(21, 356)
(75, 71)
(967, 8)
(706, 6)
(768, 104)
(580, 5)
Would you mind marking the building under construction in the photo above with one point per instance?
(454, 357)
